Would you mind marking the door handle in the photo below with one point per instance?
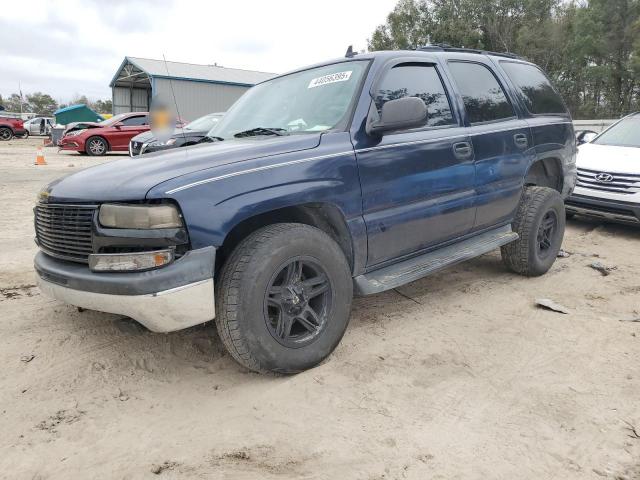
(520, 139)
(462, 150)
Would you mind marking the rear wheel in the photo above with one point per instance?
(540, 222)
(284, 298)
(5, 134)
(96, 146)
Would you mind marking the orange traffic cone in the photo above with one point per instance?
(40, 157)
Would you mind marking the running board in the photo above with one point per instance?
(417, 267)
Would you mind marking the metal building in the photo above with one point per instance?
(198, 89)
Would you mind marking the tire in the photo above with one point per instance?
(96, 146)
(267, 327)
(540, 222)
(6, 134)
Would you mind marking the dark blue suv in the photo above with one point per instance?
(351, 176)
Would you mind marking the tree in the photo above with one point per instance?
(41, 103)
(103, 106)
(16, 104)
(590, 49)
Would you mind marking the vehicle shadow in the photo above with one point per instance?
(587, 225)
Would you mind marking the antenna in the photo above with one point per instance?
(166, 67)
(350, 53)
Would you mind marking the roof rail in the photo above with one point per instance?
(443, 47)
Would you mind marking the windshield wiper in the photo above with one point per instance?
(252, 132)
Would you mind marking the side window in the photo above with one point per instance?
(416, 80)
(484, 99)
(135, 121)
(539, 96)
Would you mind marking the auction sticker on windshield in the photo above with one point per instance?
(332, 78)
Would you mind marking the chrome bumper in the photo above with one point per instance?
(165, 311)
(173, 297)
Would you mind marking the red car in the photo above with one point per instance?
(112, 135)
(10, 127)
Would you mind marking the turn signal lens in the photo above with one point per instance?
(126, 262)
(139, 216)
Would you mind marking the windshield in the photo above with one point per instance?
(313, 100)
(113, 120)
(625, 133)
(205, 123)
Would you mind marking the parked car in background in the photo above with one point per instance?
(609, 174)
(356, 175)
(112, 135)
(39, 125)
(11, 127)
(190, 134)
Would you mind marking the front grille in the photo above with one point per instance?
(64, 231)
(624, 183)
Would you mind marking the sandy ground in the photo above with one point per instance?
(458, 376)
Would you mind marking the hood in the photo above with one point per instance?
(131, 178)
(143, 137)
(148, 136)
(81, 126)
(608, 158)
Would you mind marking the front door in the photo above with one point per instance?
(127, 129)
(418, 184)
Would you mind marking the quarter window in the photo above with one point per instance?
(416, 80)
(539, 96)
(484, 99)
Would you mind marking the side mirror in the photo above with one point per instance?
(589, 136)
(118, 126)
(398, 114)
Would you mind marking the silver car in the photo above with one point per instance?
(39, 125)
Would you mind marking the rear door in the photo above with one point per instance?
(417, 184)
(501, 140)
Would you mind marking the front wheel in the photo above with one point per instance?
(540, 223)
(96, 146)
(284, 298)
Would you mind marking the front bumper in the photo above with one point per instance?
(604, 209)
(170, 298)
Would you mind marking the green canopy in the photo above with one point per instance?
(76, 113)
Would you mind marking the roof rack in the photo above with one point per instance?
(444, 47)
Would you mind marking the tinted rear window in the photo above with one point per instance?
(539, 96)
(484, 99)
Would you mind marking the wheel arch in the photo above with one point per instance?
(322, 215)
(545, 172)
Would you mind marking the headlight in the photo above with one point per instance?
(74, 133)
(139, 216)
(166, 143)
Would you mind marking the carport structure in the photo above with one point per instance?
(198, 89)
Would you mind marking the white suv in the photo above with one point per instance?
(608, 184)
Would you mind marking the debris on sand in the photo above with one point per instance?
(631, 319)
(602, 268)
(549, 304)
(60, 417)
(564, 254)
(27, 358)
(166, 465)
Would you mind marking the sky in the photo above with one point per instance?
(74, 47)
